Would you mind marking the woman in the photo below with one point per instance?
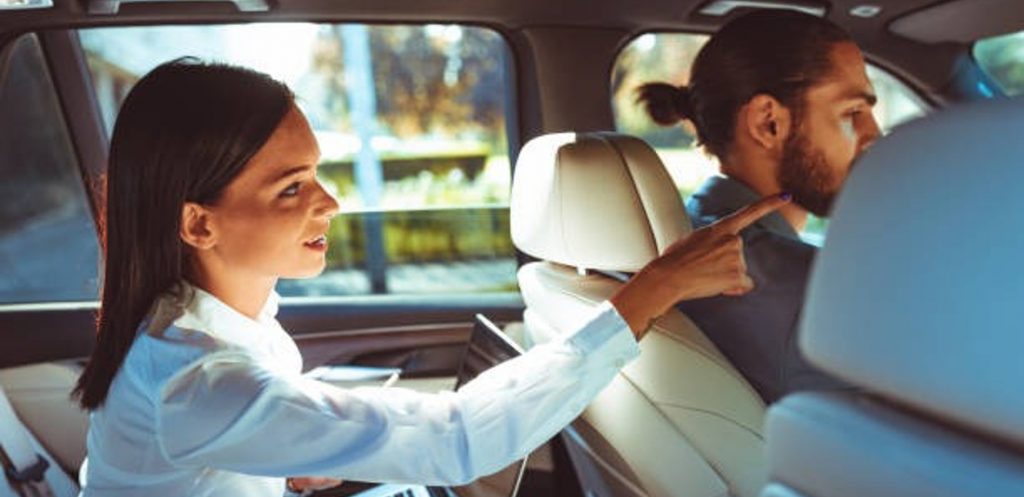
(194, 388)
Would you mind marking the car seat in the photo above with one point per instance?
(918, 298)
(28, 467)
(680, 419)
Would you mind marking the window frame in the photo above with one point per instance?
(75, 124)
(990, 86)
(916, 94)
(929, 102)
(510, 80)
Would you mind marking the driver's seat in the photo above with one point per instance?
(679, 420)
(927, 320)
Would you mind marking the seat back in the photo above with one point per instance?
(681, 419)
(41, 395)
(917, 298)
(19, 448)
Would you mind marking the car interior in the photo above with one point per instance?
(586, 199)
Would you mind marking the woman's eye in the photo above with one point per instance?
(291, 191)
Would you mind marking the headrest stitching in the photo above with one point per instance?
(561, 202)
(632, 184)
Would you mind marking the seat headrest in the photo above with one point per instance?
(918, 293)
(594, 200)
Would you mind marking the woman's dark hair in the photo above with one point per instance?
(775, 52)
(184, 132)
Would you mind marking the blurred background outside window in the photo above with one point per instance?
(48, 246)
(667, 57)
(1002, 57)
(411, 122)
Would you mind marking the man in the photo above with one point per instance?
(783, 100)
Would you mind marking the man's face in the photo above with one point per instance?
(833, 128)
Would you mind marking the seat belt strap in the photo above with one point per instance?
(24, 468)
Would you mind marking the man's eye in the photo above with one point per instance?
(291, 191)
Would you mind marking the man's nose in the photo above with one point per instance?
(870, 133)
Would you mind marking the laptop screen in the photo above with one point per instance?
(487, 347)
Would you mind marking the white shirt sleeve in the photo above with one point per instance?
(228, 412)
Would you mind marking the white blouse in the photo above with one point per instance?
(209, 402)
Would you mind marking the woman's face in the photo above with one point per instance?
(272, 219)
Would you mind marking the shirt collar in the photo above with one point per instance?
(196, 309)
(721, 196)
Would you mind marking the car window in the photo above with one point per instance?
(411, 125)
(667, 57)
(1002, 58)
(48, 244)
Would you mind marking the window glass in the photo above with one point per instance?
(1002, 57)
(425, 201)
(667, 57)
(48, 244)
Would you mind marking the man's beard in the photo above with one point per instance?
(805, 174)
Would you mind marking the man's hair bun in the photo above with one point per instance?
(665, 103)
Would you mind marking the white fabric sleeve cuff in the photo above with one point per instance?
(606, 330)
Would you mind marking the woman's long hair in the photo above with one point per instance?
(184, 132)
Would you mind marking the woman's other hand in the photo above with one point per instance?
(706, 263)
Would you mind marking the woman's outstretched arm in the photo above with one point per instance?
(238, 412)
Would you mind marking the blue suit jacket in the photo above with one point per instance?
(757, 331)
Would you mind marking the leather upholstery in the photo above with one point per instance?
(842, 446)
(681, 418)
(41, 395)
(916, 297)
(918, 292)
(591, 200)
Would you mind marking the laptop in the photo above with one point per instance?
(487, 346)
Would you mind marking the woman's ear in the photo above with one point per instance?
(767, 121)
(197, 227)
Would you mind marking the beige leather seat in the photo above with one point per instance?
(917, 297)
(41, 395)
(681, 419)
(56, 426)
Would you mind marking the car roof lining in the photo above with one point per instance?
(896, 53)
(961, 21)
(621, 14)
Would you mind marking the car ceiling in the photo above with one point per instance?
(929, 65)
(629, 15)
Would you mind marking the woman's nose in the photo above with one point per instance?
(328, 205)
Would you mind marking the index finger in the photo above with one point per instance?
(735, 222)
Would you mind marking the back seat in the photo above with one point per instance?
(54, 425)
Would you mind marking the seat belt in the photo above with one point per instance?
(24, 468)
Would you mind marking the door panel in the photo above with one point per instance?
(418, 350)
(34, 333)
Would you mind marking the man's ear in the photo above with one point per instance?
(197, 226)
(767, 121)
